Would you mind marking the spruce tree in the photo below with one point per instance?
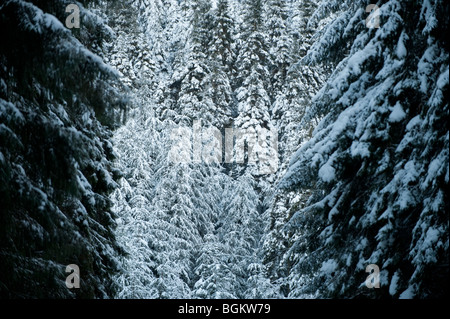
(57, 109)
(378, 161)
(280, 43)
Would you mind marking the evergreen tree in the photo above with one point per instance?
(239, 228)
(302, 82)
(255, 143)
(57, 101)
(280, 43)
(128, 51)
(171, 207)
(223, 42)
(221, 59)
(216, 279)
(253, 59)
(378, 161)
(191, 100)
(134, 188)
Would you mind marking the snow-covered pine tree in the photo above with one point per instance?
(255, 143)
(221, 61)
(169, 208)
(239, 228)
(166, 25)
(378, 161)
(304, 24)
(158, 22)
(223, 42)
(57, 103)
(168, 199)
(280, 44)
(190, 101)
(128, 51)
(252, 63)
(215, 276)
(303, 81)
(132, 203)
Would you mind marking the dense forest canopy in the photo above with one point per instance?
(224, 149)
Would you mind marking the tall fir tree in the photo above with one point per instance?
(57, 109)
(280, 44)
(378, 161)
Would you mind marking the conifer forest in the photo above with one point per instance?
(224, 149)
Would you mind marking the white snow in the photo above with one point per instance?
(425, 67)
(352, 220)
(435, 167)
(53, 23)
(360, 149)
(397, 113)
(9, 108)
(329, 266)
(327, 173)
(408, 293)
(428, 15)
(401, 49)
(431, 237)
(438, 93)
(394, 284)
(415, 121)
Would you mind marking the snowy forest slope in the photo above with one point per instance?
(224, 149)
(367, 188)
